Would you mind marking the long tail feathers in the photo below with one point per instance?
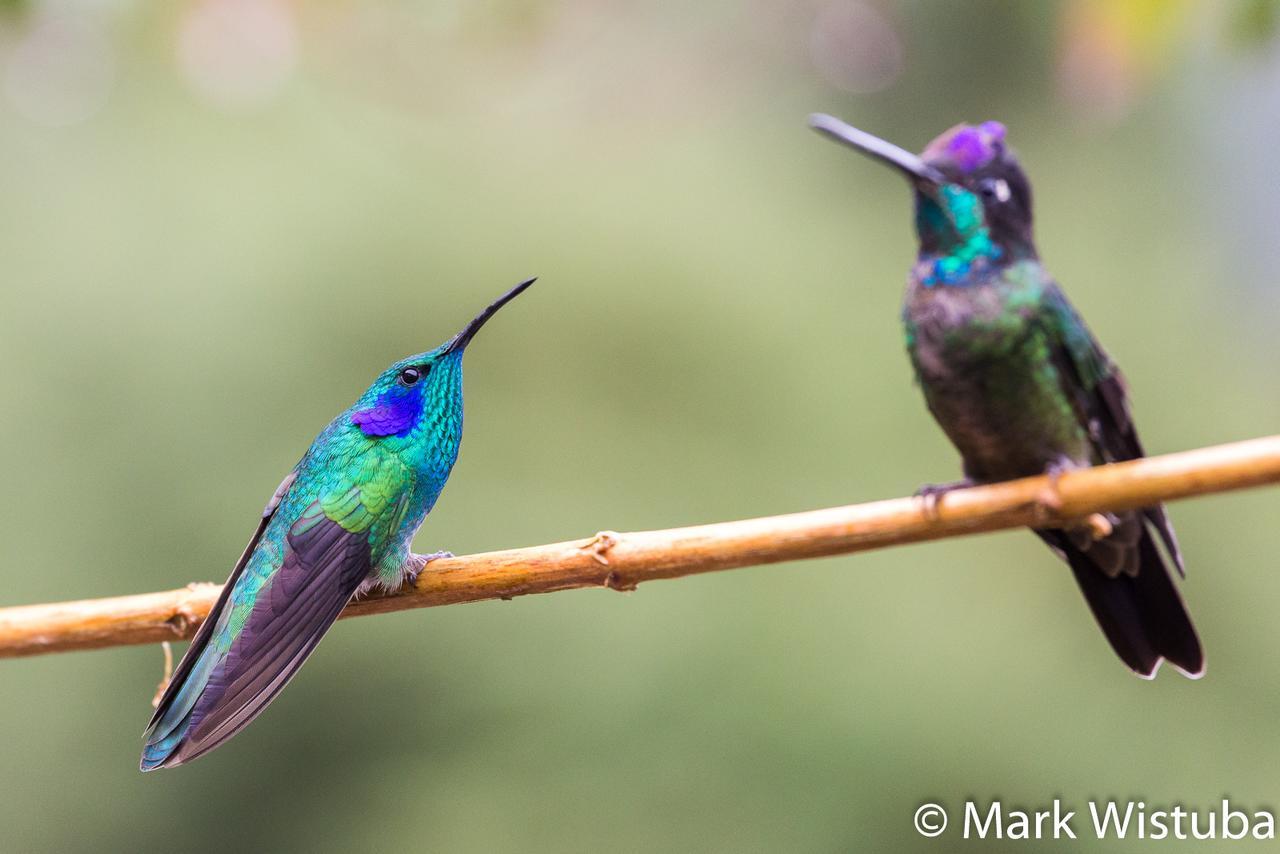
(1142, 614)
(173, 718)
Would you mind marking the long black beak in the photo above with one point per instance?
(919, 173)
(463, 338)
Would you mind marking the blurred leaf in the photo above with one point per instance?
(1254, 23)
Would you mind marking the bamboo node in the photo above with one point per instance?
(184, 616)
(599, 546)
(614, 581)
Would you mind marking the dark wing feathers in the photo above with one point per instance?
(211, 698)
(201, 639)
(323, 565)
(1091, 380)
(1124, 578)
(1098, 392)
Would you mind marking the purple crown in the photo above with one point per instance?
(968, 147)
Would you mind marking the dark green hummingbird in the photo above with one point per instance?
(1019, 384)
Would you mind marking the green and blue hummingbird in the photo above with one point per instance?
(339, 525)
(1019, 384)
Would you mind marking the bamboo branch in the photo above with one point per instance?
(621, 561)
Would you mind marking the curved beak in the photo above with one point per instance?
(463, 338)
(922, 175)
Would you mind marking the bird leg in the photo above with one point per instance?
(391, 577)
(931, 495)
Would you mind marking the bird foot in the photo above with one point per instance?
(931, 496)
(416, 563)
(1049, 500)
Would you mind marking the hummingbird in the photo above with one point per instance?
(339, 525)
(1020, 385)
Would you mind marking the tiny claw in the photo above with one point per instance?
(929, 504)
(1049, 499)
(931, 494)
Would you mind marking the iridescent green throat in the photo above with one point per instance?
(956, 236)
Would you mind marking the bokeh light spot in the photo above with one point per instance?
(856, 47)
(238, 52)
(61, 71)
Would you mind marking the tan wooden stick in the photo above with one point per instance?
(621, 561)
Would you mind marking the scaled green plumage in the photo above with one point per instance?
(341, 522)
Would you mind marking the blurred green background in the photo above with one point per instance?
(223, 217)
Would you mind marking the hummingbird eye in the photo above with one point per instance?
(409, 376)
(995, 188)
